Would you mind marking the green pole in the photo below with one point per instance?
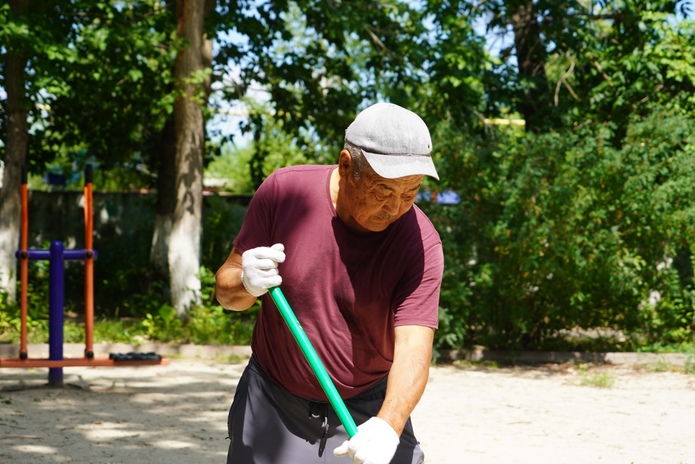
(314, 361)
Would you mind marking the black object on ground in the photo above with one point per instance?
(124, 357)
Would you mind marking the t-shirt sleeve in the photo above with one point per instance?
(418, 299)
(256, 230)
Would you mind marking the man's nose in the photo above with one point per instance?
(391, 206)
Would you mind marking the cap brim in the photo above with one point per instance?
(393, 166)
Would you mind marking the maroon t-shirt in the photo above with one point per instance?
(347, 289)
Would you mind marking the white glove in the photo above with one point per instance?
(259, 268)
(374, 443)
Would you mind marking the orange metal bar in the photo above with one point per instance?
(84, 362)
(88, 265)
(24, 266)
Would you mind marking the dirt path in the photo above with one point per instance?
(177, 414)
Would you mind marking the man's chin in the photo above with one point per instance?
(378, 224)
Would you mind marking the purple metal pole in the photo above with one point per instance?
(56, 255)
(56, 305)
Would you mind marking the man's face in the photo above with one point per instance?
(371, 203)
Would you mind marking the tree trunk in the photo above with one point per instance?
(15, 157)
(531, 56)
(186, 226)
(166, 199)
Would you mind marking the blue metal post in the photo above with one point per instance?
(56, 304)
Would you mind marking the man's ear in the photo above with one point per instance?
(344, 163)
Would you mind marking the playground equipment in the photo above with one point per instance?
(56, 255)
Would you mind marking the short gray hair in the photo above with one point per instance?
(358, 159)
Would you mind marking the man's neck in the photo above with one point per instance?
(335, 186)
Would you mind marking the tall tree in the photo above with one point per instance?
(16, 141)
(191, 71)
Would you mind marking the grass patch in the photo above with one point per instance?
(203, 326)
(466, 364)
(230, 358)
(689, 366)
(661, 365)
(595, 380)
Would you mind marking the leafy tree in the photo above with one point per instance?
(24, 44)
(319, 63)
(110, 91)
(107, 82)
(502, 268)
(572, 61)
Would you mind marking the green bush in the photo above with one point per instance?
(207, 324)
(569, 230)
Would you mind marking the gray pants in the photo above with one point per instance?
(269, 425)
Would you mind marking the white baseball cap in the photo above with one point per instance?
(395, 141)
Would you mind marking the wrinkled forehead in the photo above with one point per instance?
(399, 183)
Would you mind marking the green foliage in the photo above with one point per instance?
(273, 146)
(158, 322)
(632, 63)
(564, 230)
(99, 81)
(318, 64)
(37, 306)
(202, 326)
(222, 220)
(232, 168)
(589, 223)
(241, 169)
(207, 324)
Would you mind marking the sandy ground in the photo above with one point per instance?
(565, 413)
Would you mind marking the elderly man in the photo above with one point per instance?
(362, 266)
